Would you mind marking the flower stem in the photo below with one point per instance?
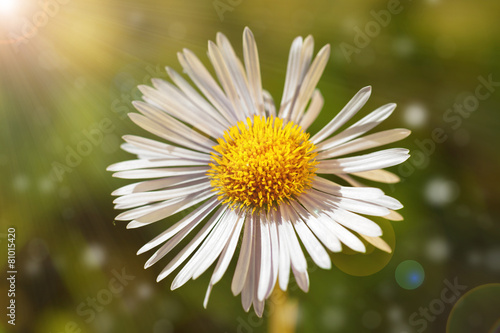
(283, 312)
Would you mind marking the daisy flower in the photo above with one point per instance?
(251, 175)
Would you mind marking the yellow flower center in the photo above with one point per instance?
(262, 164)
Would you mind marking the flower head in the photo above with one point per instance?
(252, 171)
(262, 163)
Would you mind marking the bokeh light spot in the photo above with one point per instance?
(94, 256)
(415, 115)
(403, 46)
(163, 326)
(20, 183)
(437, 249)
(476, 311)
(333, 318)
(493, 259)
(440, 191)
(409, 274)
(144, 290)
(371, 262)
(395, 313)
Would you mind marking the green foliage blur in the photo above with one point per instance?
(69, 71)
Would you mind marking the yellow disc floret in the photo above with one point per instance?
(262, 164)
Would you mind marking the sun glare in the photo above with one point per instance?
(8, 6)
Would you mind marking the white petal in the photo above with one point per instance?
(185, 107)
(155, 184)
(166, 209)
(141, 152)
(207, 253)
(217, 242)
(257, 262)
(296, 255)
(228, 252)
(275, 254)
(194, 217)
(164, 149)
(312, 245)
(181, 233)
(378, 243)
(157, 128)
(161, 172)
(292, 74)
(172, 101)
(269, 104)
(394, 216)
(361, 207)
(353, 205)
(237, 73)
(364, 143)
(193, 244)
(171, 193)
(207, 295)
(346, 236)
(284, 255)
(379, 175)
(309, 82)
(359, 128)
(351, 108)
(318, 226)
(249, 291)
(240, 273)
(389, 202)
(350, 180)
(265, 260)
(143, 164)
(226, 80)
(299, 63)
(258, 307)
(207, 85)
(171, 128)
(313, 110)
(355, 222)
(361, 193)
(252, 65)
(377, 160)
(302, 279)
(198, 100)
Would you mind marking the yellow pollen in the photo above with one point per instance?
(262, 164)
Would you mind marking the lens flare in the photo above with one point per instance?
(7, 7)
(410, 274)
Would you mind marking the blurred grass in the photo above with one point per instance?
(82, 68)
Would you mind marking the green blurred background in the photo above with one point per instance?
(69, 68)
